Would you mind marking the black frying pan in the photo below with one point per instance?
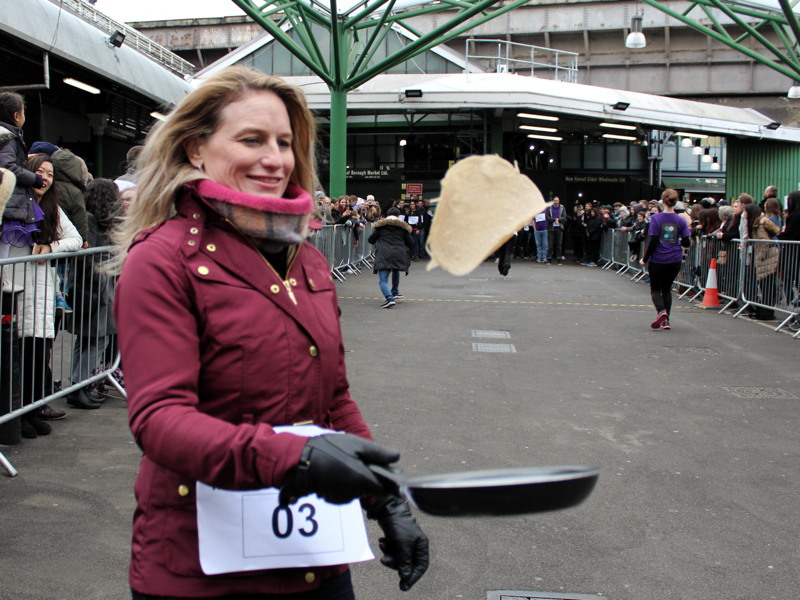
(496, 492)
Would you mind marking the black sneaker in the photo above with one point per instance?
(399, 297)
(388, 304)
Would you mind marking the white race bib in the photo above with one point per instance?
(248, 531)
(413, 219)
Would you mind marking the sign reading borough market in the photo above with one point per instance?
(380, 173)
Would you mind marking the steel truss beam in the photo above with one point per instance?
(749, 20)
(356, 35)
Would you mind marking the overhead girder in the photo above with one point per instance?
(356, 34)
(749, 19)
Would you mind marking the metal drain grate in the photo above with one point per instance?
(512, 595)
(493, 348)
(759, 392)
(489, 333)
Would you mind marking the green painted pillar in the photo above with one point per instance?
(337, 184)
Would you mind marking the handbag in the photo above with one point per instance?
(722, 257)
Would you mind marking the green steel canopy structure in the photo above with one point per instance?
(356, 31)
(735, 22)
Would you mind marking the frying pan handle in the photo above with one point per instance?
(391, 479)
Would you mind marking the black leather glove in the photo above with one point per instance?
(405, 547)
(334, 466)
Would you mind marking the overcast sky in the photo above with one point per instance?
(155, 10)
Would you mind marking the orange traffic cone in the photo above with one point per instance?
(711, 296)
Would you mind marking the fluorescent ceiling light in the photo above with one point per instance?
(539, 117)
(691, 135)
(157, 115)
(536, 136)
(614, 136)
(81, 86)
(535, 128)
(618, 126)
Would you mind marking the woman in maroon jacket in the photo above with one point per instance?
(229, 327)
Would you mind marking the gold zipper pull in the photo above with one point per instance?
(288, 287)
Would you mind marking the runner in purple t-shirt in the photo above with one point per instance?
(667, 235)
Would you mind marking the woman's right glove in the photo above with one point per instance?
(404, 545)
(334, 467)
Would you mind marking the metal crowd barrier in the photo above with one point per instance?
(49, 350)
(345, 254)
(750, 274)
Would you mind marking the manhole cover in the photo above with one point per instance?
(489, 333)
(759, 392)
(511, 595)
(493, 348)
(691, 350)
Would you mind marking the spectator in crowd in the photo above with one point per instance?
(770, 191)
(726, 261)
(592, 225)
(356, 224)
(229, 325)
(790, 257)
(416, 218)
(773, 212)
(126, 198)
(71, 183)
(92, 322)
(708, 220)
(341, 211)
(21, 213)
(129, 176)
(401, 206)
(540, 237)
(372, 211)
(761, 261)
(636, 235)
(557, 219)
(577, 232)
(667, 234)
(523, 241)
(36, 310)
(426, 230)
(393, 244)
(45, 148)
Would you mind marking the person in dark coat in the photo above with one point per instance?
(392, 238)
(71, 188)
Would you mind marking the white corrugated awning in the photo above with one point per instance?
(504, 90)
(61, 33)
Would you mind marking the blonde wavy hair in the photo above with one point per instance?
(163, 166)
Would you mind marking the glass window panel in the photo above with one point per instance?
(387, 154)
(617, 155)
(365, 157)
(593, 154)
(571, 156)
(638, 157)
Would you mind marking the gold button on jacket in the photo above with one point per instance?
(183, 490)
(310, 577)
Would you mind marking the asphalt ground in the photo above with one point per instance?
(695, 429)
